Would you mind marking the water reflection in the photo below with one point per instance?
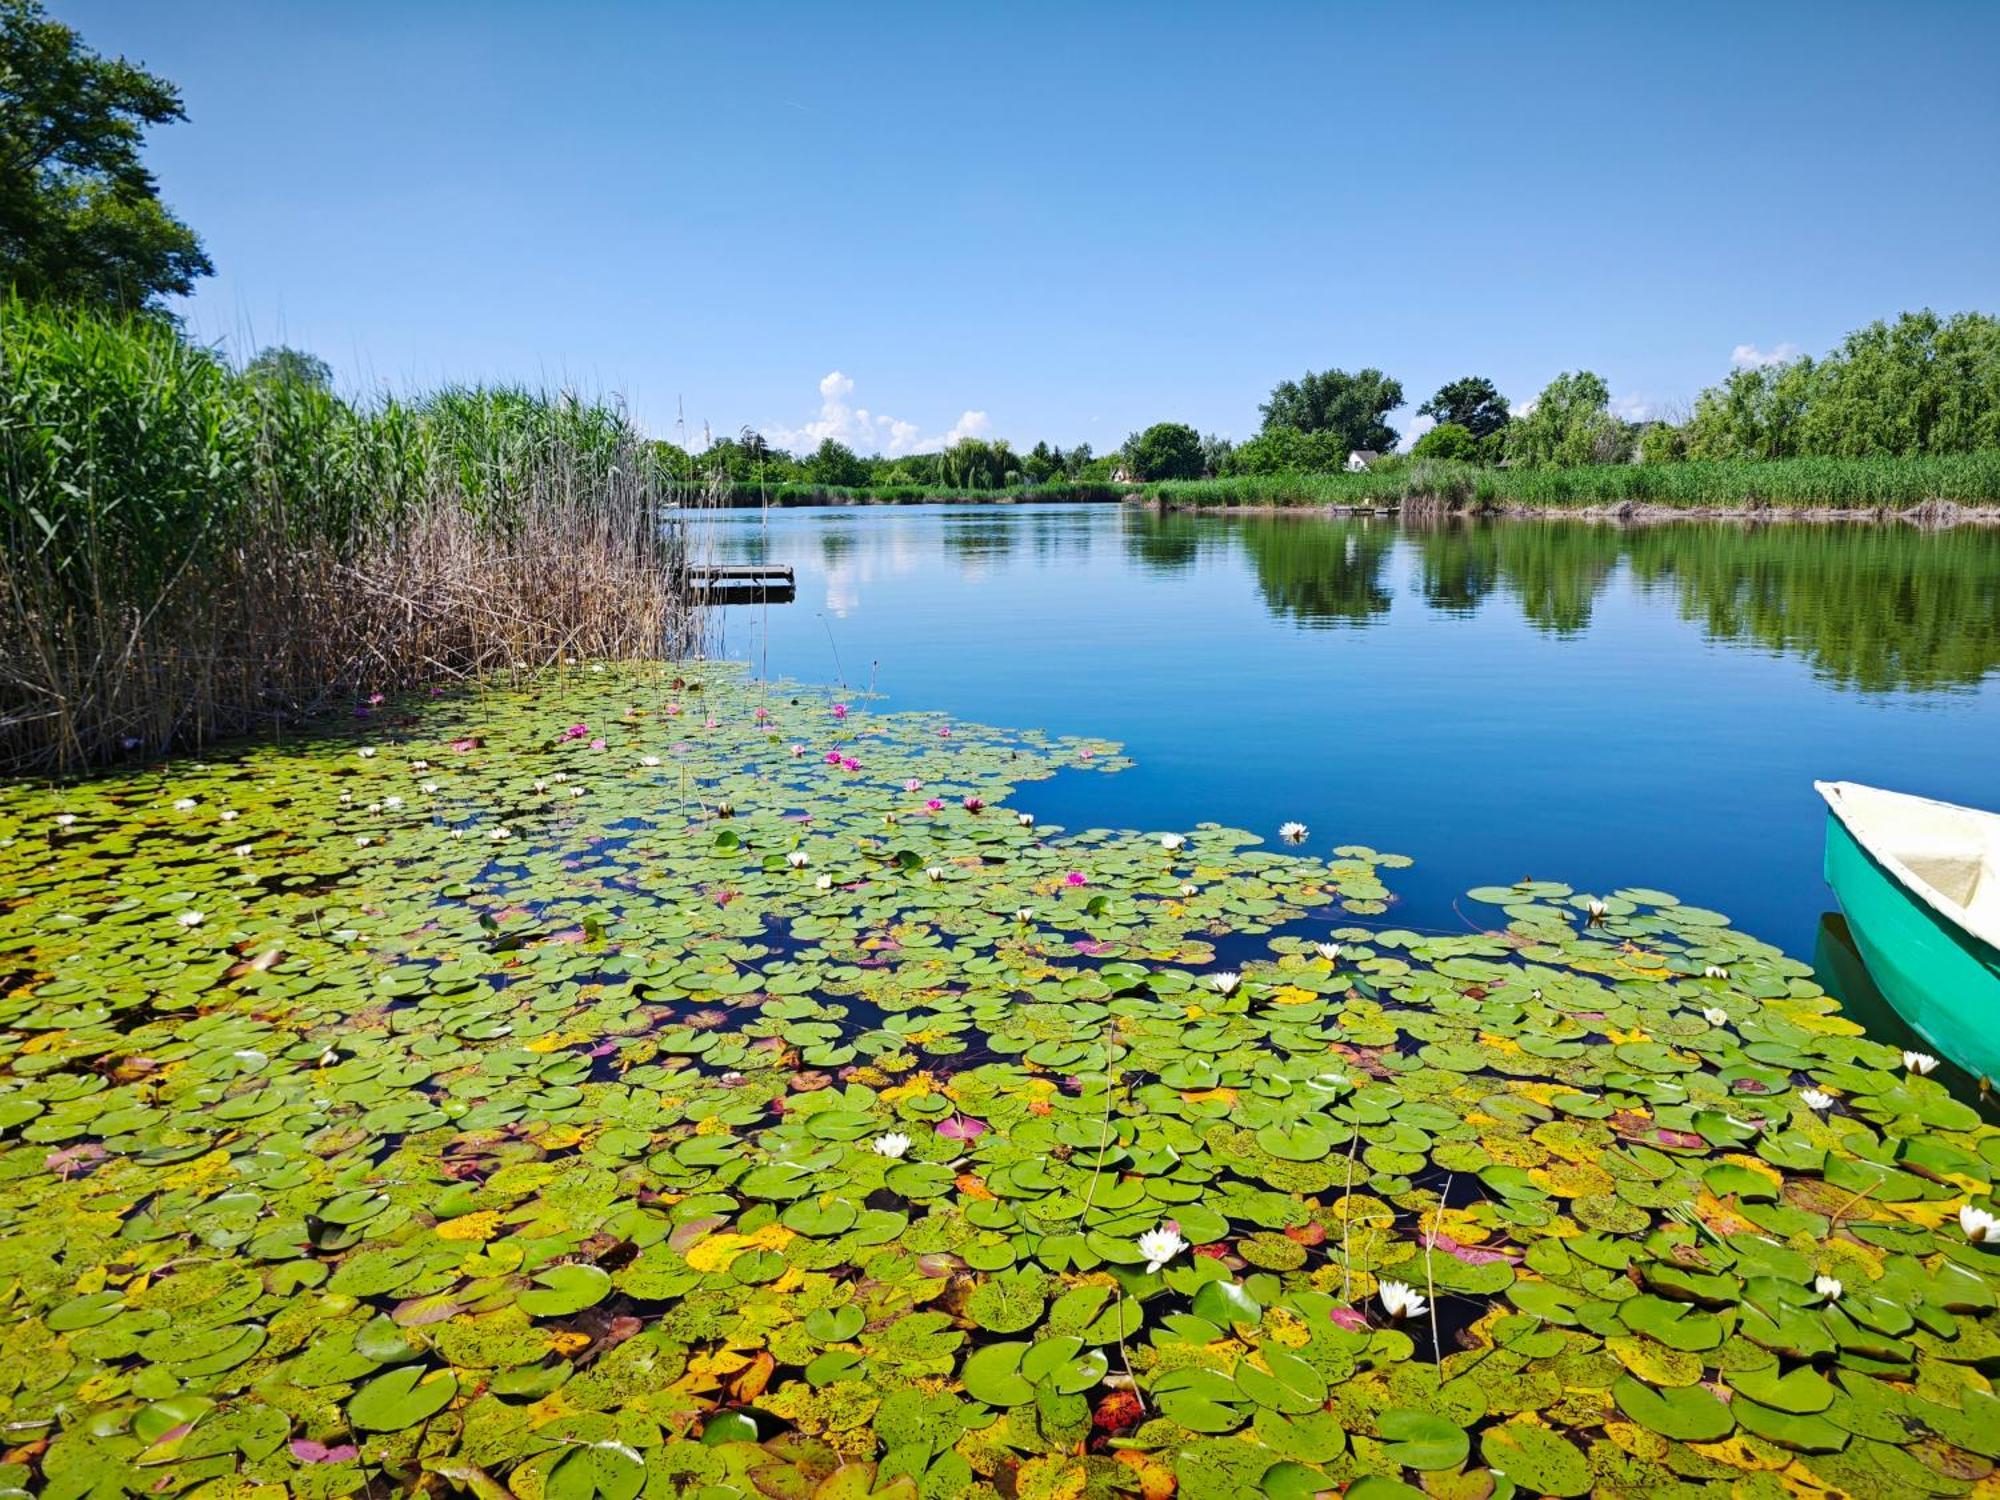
(1871, 607)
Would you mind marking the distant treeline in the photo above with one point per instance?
(1797, 483)
(1922, 387)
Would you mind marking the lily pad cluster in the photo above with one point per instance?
(663, 1082)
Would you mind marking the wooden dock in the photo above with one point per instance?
(770, 574)
(743, 583)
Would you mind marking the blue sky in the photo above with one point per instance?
(1065, 221)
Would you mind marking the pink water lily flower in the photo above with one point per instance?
(762, 714)
(673, 709)
(945, 733)
(797, 751)
(1350, 1318)
(376, 699)
(597, 744)
(973, 804)
(840, 710)
(1075, 877)
(850, 764)
(934, 805)
(833, 757)
(577, 732)
(913, 785)
(961, 1128)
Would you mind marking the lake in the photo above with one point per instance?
(1559, 700)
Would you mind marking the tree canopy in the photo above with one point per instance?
(280, 364)
(1450, 441)
(80, 216)
(1166, 450)
(1921, 385)
(1350, 406)
(1472, 402)
(1569, 424)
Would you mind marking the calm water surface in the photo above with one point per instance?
(1558, 700)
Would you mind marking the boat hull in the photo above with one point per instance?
(1941, 979)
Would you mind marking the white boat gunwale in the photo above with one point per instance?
(1981, 846)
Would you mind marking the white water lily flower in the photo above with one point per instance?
(230, 815)
(1981, 1227)
(798, 859)
(541, 785)
(1400, 1300)
(420, 765)
(367, 752)
(1225, 983)
(935, 872)
(649, 760)
(1292, 833)
(1024, 914)
(184, 804)
(374, 807)
(1026, 820)
(825, 882)
(1715, 1015)
(242, 851)
(392, 801)
(191, 918)
(1715, 971)
(1919, 1062)
(562, 776)
(347, 796)
(1329, 951)
(458, 833)
(1596, 908)
(499, 835)
(1814, 1099)
(1160, 1246)
(64, 820)
(892, 1145)
(1828, 1287)
(1190, 890)
(428, 788)
(1171, 841)
(361, 841)
(725, 809)
(576, 791)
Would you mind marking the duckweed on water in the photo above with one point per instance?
(506, 1110)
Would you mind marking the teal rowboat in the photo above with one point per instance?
(1919, 882)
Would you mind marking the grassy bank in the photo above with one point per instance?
(190, 552)
(1061, 491)
(1803, 483)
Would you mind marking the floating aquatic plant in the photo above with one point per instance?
(605, 1155)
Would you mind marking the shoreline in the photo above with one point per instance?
(1931, 514)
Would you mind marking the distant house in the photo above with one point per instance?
(1361, 460)
(1122, 475)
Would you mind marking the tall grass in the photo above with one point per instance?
(1801, 483)
(189, 552)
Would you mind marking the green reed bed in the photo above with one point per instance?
(190, 552)
(651, 1081)
(1804, 483)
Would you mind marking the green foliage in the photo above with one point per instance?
(1662, 443)
(1166, 450)
(1448, 442)
(1923, 385)
(834, 463)
(80, 216)
(1569, 424)
(283, 365)
(145, 486)
(1472, 402)
(1286, 450)
(1349, 407)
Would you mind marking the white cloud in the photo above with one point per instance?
(867, 431)
(1417, 428)
(1750, 357)
(1633, 409)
